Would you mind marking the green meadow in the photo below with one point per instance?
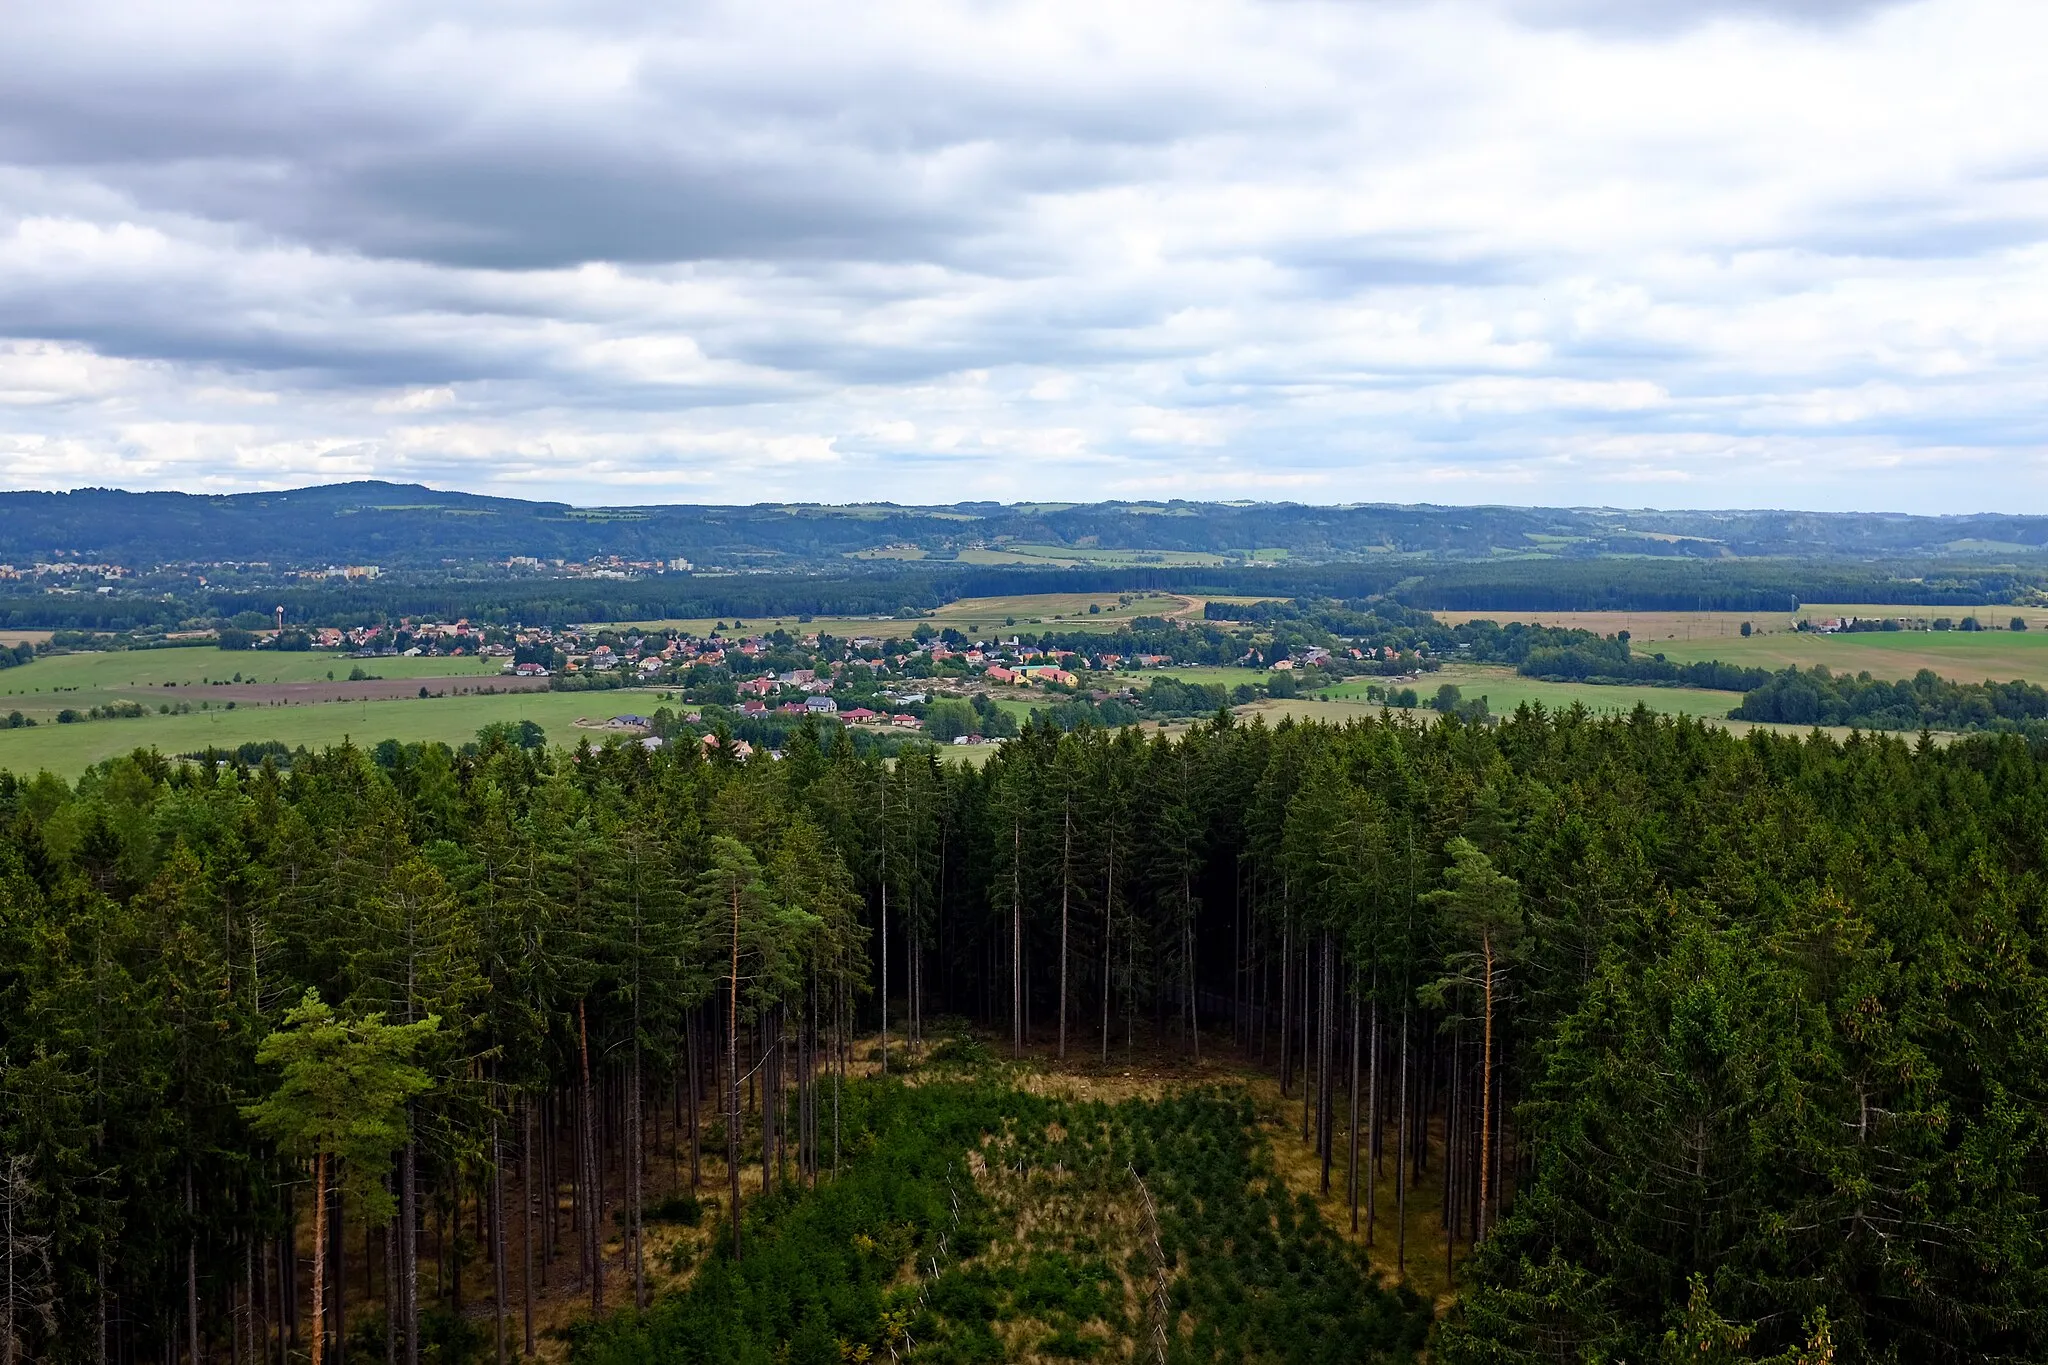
(125, 672)
(70, 749)
(1962, 656)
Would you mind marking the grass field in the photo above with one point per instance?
(1976, 656)
(68, 750)
(1191, 673)
(1503, 700)
(118, 670)
(1504, 690)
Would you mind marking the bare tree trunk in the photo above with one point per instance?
(1351, 1175)
(1308, 952)
(1401, 1160)
(1065, 887)
(1372, 1144)
(732, 1058)
(498, 1239)
(1017, 936)
(590, 1204)
(1286, 998)
(690, 1048)
(337, 1234)
(319, 1259)
(636, 1126)
(531, 1215)
(192, 1278)
(1108, 920)
(1486, 1093)
(409, 1250)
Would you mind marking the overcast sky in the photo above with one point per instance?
(1721, 253)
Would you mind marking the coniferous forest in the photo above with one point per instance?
(1705, 1047)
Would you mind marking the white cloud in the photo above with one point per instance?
(1729, 251)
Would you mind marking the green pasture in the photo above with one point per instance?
(1192, 674)
(68, 750)
(124, 672)
(1962, 656)
(1505, 690)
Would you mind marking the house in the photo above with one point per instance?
(530, 671)
(821, 706)
(1002, 675)
(754, 708)
(860, 715)
(740, 748)
(798, 676)
(757, 687)
(630, 722)
(649, 667)
(907, 722)
(1045, 673)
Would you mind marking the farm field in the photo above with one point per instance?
(1553, 696)
(1505, 690)
(1193, 673)
(130, 668)
(68, 750)
(1976, 656)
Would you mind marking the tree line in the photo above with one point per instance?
(1688, 1035)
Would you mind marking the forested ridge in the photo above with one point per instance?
(1716, 1047)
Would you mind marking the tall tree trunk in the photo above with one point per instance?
(590, 1203)
(1066, 886)
(690, 1050)
(636, 1125)
(498, 1268)
(1351, 1174)
(409, 1249)
(1401, 1160)
(1372, 1107)
(319, 1258)
(339, 1259)
(1486, 1092)
(732, 1060)
(192, 1276)
(1017, 936)
(1108, 920)
(1286, 998)
(1308, 950)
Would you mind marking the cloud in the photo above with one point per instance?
(1340, 250)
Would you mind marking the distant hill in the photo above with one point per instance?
(410, 526)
